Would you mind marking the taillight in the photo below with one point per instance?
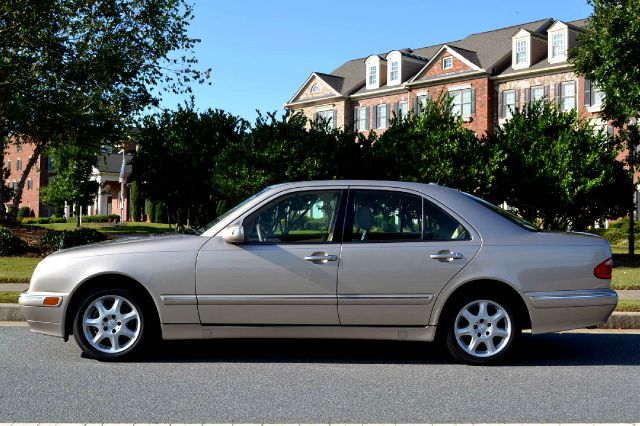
(603, 270)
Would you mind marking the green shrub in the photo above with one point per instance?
(161, 213)
(100, 218)
(35, 220)
(59, 240)
(151, 211)
(24, 212)
(10, 245)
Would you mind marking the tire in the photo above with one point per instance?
(481, 329)
(120, 317)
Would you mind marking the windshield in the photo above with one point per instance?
(231, 211)
(512, 217)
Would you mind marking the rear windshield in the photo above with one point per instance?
(512, 217)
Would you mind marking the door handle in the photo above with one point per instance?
(446, 256)
(321, 258)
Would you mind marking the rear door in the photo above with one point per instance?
(399, 251)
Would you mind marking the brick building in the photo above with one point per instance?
(106, 173)
(488, 75)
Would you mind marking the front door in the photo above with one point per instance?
(286, 270)
(399, 251)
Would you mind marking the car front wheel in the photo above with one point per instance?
(110, 324)
(481, 330)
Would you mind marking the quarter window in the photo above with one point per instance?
(303, 217)
(440, 226)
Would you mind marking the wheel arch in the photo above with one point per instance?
(494, 286)
(106, 281)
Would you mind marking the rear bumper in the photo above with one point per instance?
(41, 318)
(567, 310)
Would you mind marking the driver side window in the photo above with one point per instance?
(301, 217)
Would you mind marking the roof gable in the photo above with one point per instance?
(463, 60)
(326, 84)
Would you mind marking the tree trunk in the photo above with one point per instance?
(78, 213)
(632, 241)
(17, 197)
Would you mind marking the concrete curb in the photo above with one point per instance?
(10, 312)
(618, 320)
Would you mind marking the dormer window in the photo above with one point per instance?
(447, 63)
(315, 88)
(521, 52)
(394, 73)
(373, 75)
(557, 45)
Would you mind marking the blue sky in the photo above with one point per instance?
(261, 51)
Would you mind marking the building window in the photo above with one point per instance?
(382, 117)
(315, 88)
(403, 109)
(521, 51)
(537, 93)
(508, 103)
(422, 101)
(394, 71)
(557, 45)
(373, 75)
(19, 148)
(567, 95)
(361, 118)
(462, 102)
(9, 165)
(29, 184)
(447, 63)
(19, 164)
(50, 167)
(326, 117)
(597, 95)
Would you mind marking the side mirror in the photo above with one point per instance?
(233, 234)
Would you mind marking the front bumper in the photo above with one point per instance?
(568, 310)
(42, 317)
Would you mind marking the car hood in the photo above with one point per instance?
(153, 244)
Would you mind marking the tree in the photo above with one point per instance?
(432, 146)
(608, 54)
(77, 70)
(553, 168)
(72, 183)
(177, 161)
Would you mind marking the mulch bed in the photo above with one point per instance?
(626, 260)
(32, 235)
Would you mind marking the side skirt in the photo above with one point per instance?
(197, 331)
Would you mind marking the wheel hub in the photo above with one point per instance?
(482, 328)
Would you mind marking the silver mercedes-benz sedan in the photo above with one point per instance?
(331, 259)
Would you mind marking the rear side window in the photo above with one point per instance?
(383, 216)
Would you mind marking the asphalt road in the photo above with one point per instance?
(558, 378)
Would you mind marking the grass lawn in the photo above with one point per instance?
(17, 269)
(626, 278)
(9, 296)
(628, 305)
(108, 228)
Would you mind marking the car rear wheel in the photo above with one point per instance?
(110, 324)
(481, 330)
